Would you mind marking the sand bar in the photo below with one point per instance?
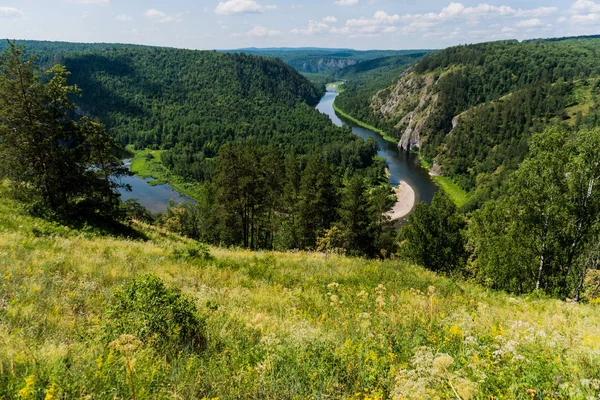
(405, 203)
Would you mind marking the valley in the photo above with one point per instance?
(300, 222)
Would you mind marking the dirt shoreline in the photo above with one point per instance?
(405, 203)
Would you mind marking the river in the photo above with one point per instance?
(403, 166)
(154, 197)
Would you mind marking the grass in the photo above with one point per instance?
(279, 325)
(455, 192)
(365, 125)
(147, 164)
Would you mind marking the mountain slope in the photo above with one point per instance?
(192, 102)
(277, 325)
(471, 109)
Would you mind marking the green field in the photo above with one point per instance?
(456, 194)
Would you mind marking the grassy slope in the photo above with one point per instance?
(279, 325)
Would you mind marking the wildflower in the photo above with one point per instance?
(333, 286)
(380, 301)
(125, 344)
(51, 393)
(28, 389)
(362, 295)
(441, 364)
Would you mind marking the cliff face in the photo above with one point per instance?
(411, 101)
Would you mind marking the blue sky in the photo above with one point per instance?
(361, 24)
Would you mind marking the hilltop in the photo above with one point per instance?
(276, 325)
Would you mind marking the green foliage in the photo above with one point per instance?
(331, 61)
(60, 166)
(192, 251)
(160, 317)
(541, 234)
(434, 236)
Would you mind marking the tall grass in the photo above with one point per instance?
(278, 325)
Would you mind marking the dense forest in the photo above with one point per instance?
(270, 170)
(368, 77)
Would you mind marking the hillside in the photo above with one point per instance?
(192, 102)
(470, 110)
(325, 61)
(276, 325)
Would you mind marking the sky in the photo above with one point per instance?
(358, 24)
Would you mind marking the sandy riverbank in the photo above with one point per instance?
(405, 203)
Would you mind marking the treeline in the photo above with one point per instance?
(261, 198)
(273, 172)
(541, 233)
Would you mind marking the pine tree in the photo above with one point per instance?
(62, 166)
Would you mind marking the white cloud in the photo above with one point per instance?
(259, 31)
(529, 23)
(162, 17)
(587, 19)
(10, 12)
(585, 6)
(241, 7)
(537, 12)
(123, 18)
(315, 27)
(346, 2)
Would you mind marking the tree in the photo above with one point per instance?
(434, 238)
(536, 237)
(318, 201)
(61, 165)
(357, 218)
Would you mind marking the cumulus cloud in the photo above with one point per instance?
(162, 17)
(123, 18)
(585, 6)
(316, 27)
(529, 23)
(259, 31)
(346, 2)
(11, 12)
(241, 7)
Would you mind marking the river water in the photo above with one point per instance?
(403, 166)
(155, 198)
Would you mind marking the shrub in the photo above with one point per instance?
(192, 251)
(160, 317)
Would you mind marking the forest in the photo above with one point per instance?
(269, 170)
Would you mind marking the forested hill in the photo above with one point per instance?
(471, 109)
(325, 61)
(193, 102)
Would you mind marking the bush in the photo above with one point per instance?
(160, 317)
(192, 251)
